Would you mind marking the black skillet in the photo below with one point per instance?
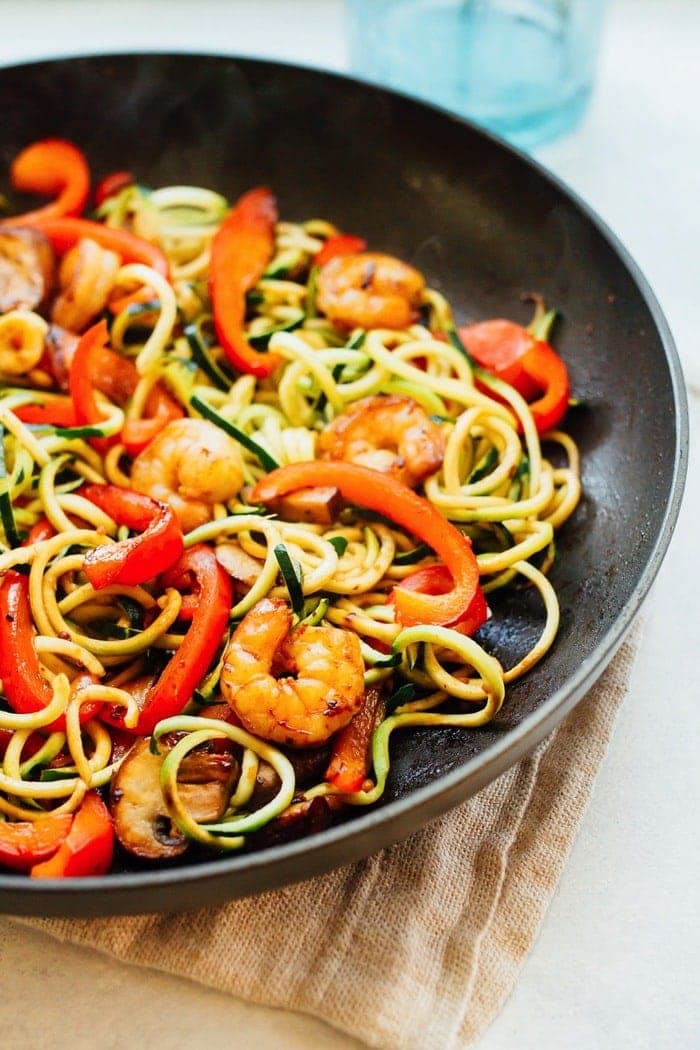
(486, 226)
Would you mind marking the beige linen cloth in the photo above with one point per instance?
(419, 946)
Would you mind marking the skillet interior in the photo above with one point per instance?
(486, 226)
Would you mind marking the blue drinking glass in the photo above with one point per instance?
(524, 69)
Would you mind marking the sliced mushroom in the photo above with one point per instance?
(267, 784)
(141, 820)
(206, 802)
(234, 560)
(320, 506)
(308, 763)
(26, 268)
(60, 345)
(303, 818)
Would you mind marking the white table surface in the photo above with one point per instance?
(617, 965)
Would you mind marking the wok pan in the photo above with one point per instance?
(485, 225)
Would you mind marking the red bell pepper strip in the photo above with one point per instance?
(199, 571)
(53, 168)
(387, 496)
(94, 366)
(349, 763)
(240, 251)
(111, 185)
(545, 368)
(23, 685)
(24, 843)
(65, 232)
(114, 374)
(436, 579)
(139, 558)
(511, 353)
(55, 412)
(84, 369)
(341, 244)
(87, 849)
(161, 409)
(40, 530)
(498, 346)
(100, 368)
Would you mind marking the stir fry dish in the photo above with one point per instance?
(256, 490)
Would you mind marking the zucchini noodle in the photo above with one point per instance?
(313, 633)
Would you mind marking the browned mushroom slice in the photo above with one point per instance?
(26, 268)
(309, 764)
(267, 784)
(60, 345)
(141, 820)
(205, 779)
(320, 506)
(301, 819)
(237, 563)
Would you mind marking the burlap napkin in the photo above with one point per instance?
(418, 946)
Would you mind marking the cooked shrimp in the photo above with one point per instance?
(86, 277)
(191, 465)
(22, 334)
(321, 691)
(391, 434)
(369, 290)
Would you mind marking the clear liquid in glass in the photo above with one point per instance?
(522, 68)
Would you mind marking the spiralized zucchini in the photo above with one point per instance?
(496, 480)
